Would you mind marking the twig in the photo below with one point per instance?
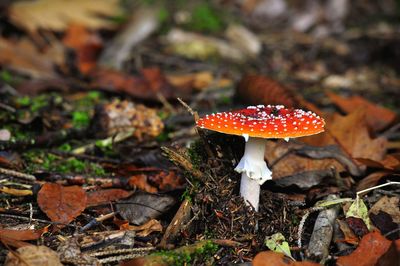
(375, 187)
(189, 109)
(302, 223)
(35, 220)
(17, 174)
(120, 251)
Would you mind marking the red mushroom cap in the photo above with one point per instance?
(271, 121)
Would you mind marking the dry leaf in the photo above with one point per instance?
(61, 204)
(58, 14)
(24, 57)
(15, 238)
(198, 81)
(105, 196)
(33, 255)
(388, 205)
(16, 192)
(371, 180)
(271, 258)
(146, 229)
(145, 87)
(377, 117)
(372, 250)
(140, 181)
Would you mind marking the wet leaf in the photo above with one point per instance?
(377, 117)
(142, 207)
(357, 225)
(61, 204)
(349, 236)
(28, 234)
(33, 255)
(58, 14)
(271, 258)
(373, 248)
(105, 196)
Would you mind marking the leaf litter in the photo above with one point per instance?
(101, 164)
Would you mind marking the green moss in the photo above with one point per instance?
(199, 252)
(80, 119)
(38, 160)
(205, 18)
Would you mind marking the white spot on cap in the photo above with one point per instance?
(286, 139)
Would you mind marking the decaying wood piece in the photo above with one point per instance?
(180, 219)
(318, 247)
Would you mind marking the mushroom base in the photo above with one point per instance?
(250, 191)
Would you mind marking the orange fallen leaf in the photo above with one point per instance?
(372, 248)
(86, 44)
(61, 204)
(377, 117)
(271, 258)
(199, 80)
(15, 238)
(140, 181)
(104, 196)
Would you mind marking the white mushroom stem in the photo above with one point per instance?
(254, 171)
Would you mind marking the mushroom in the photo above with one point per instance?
(257, 124)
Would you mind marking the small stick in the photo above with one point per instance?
(17, 174)
(375, 187)
(97, 221)
(189, 109)
(35, 220)
(120, 251)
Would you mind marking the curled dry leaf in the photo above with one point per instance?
(61, 204)
(198, 80)
(377, 117)
(33, 255)
(105, 196)
(146, 229)
(374, 249)
(256, 89)
(388, 205)
(271, 258)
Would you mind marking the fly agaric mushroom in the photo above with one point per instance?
(257, 124)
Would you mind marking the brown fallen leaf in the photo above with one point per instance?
(58, 14)
(373, 249)
(87, 45)
(271, 258)
(105, 196)
(377, 117)
(350, 132)
(16, 238)
(198, 80)
(286, 163)
(140, 181)
(146, 229)
(145, 87)
(388, 205)
(24, 57)
(61, 204)
(33, 255)
(371, 180)
(349, 236)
